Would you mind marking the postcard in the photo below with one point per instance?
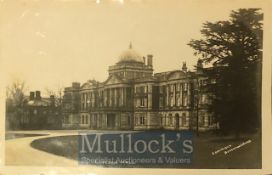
(135, 86)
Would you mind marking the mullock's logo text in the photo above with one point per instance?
(142, 148)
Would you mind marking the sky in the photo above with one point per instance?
(52, 43)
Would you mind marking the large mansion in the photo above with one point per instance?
(134, 98)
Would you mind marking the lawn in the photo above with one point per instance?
(247, 156)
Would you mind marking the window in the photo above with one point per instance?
(203, 82)
(183, 120)
(203, 99)
(128, 120)
(98, 118)
(201, 119)
(213, 81)
(82, 120)
(161, 120)
(171, 100)
(170, 120)
(184, 101)
(86, 119)
(138, 102)
(82, 106)
(95, 121)
(142, 104)
(208, 120)
(142, 120)
(161, 102)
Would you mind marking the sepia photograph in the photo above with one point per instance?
(132, 83)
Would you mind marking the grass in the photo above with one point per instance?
(245, 157)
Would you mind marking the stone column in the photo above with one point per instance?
(189, 93)
(110, 102)
(120, 96)
(174, 94)
(167, 95)
(124, 96)
(85, 100)
(149, 96)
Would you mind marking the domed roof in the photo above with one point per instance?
(130, 55)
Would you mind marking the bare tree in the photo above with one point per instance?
(16, 92)
(58, 93)
(15, 101)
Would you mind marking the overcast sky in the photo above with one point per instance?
(53, 43)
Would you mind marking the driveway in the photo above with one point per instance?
(19, 152)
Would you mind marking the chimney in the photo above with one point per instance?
(38, 95)
(31, 95)
(52, 100)
(144, 60)
(184, 67)
(149, 60)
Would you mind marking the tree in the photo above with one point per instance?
(58, 94)
(15, 102)
(234, 48)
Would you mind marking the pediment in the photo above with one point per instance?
(113, 79)
(176, 75)
(86, 85)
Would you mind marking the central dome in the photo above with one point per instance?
(130, 55)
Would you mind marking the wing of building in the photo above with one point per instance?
(37, 112)
(134, 98)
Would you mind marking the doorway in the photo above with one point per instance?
(111, 121)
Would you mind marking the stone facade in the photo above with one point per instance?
(133, 98)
